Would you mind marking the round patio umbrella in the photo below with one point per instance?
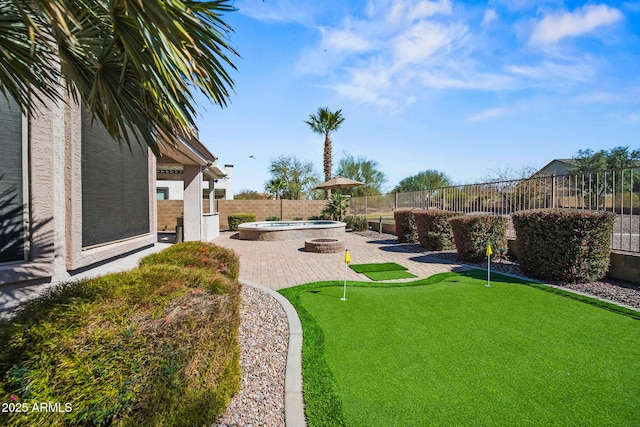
(337, 183)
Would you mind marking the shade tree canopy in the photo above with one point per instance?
(425, 180)
(295, 178)
(362, 170)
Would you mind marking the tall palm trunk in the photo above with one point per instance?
(328, 164)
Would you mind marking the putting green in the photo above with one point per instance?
(456, 352)
(380, 266)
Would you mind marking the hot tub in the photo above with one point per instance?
(290, 230)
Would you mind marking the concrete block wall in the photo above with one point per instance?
(266, 208)
(625, 266)
(169, 210)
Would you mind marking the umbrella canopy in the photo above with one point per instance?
(337, 183)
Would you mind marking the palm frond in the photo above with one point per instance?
(134, 64)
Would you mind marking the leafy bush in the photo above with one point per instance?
(405, 226)
(157, 345)
(356, 223)
(235, 220)
(297, 218)
(472, 234)
(434, 229)
(566, 245)
(273, 218)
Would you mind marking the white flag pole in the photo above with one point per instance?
(489, 253)
(347, 260)
(344, 293)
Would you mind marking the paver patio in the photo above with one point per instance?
(282, 264)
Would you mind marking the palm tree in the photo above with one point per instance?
(133, 64)
(324, 122)
(276, 186)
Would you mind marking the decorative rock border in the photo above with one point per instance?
(324, 246)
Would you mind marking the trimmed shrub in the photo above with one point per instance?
(157, 345)
(235, 220)
(272, 218)
(564, 245)
(472, 234)
(434, 229)
(197, 255)
(405, 226)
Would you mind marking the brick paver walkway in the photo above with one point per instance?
(281, 264)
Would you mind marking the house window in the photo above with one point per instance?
(162, 193)
(13, 183)
(115, 187)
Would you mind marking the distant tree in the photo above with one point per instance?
(362, 170)
(275, 187)
(617, 181)
(508, 174)
(616, 158)
(425, 180)
(325, 122)
(299, 177)
(250, 195)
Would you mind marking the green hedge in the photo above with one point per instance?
(156, 345)
(472, 234)
(405, 226)
(564, 245)
(235, 220)
(434, 229)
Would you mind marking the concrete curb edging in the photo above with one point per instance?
(293, 398)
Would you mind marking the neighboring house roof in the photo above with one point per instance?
(556, 167)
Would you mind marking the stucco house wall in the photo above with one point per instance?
(58, 219)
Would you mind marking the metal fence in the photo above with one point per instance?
(616, 191)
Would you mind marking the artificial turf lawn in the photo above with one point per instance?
(450, 351)
(389, 275)
(375, 267)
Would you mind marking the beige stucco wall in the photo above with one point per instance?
(55, 167)
(266, 208)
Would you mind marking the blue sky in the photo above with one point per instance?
(466, 88)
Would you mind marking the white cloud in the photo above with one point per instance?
(366, 58)
(344, 40)
(487, 115)
(368, 84)
(407, 11)
(608, 97)
(277, 10)
(425, 38)
(549, 71)
(555, 27)
(490, 16)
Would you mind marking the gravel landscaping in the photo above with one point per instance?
(264, 340)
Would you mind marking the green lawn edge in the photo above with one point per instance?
(375, 267)
(321, 397)
(389, 275)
